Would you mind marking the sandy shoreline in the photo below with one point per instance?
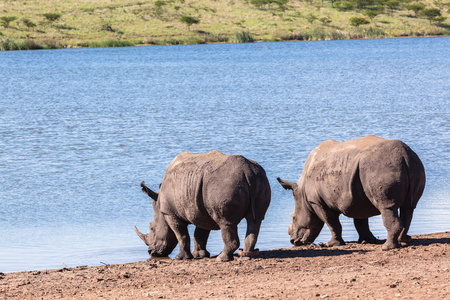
(353, 271)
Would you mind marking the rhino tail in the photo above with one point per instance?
(149, 192)
(258, 195)
(251, 194)
(416, 175)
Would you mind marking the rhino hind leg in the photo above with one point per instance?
(365, 235)
(200, 240)
(231, 242)
(406, 214)
(251, 237)
(393, 226)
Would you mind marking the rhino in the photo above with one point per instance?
(359, 178)
(211, 191)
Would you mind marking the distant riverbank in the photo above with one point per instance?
(99, 23)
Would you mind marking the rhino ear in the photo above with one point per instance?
(287, 185)
(149, 192)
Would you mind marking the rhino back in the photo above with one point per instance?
(237, 187)
(359, 177)
(207, 189)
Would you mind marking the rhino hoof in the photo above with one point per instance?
(201, 254)
(183, 256)
(249, 254)
(389, 246)
(223, 257)
(335, 243)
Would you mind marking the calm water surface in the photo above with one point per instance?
(81, 128)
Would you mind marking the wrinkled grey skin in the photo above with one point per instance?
(359, 178)
(212, 191)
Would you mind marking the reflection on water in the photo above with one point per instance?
(81, 128)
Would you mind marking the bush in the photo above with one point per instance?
(30, 45)
(345, 5)
(439, 20)
(244, 37)
(52, 17)
(311, 18)
(5, 20)
(430, 13)
(9, 44)
(110, 43)
(363, 3)
(415, 7)
(357, 21)
(28, 23)
(189, 21)
(325, 20)
(392, 4)
(216, 38)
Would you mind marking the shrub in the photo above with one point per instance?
(311, 18)
(189, 21)
(7, 44)
(51, 44)
(216, 38)
(5, 20)
(29, 45)
(345, 5)
(52, 17)
(430, 13)
(415, 7)
(244, 37)
(106, 26)
(111, 43)
(357, 21)
(371, 14)
(392, 4)
(325, 20)
(28, 23)
(439, 20)
(363, 3)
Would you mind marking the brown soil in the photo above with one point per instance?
(421, 270)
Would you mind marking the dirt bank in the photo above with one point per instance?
(421, 270)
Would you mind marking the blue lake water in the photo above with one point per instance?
(81, 128)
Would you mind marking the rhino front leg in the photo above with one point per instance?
(181, 232)
(331, 218)
(231, 242)
(393, 226)
(200, 240)
(365, 235)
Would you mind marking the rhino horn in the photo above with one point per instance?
(149, 192)
(141, 235)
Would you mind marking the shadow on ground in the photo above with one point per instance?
(306, 252)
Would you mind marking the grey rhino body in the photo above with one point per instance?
(359, 178)
(212, 191)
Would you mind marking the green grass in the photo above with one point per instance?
(110, 43)
(112, 23)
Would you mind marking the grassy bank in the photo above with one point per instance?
(49, 24)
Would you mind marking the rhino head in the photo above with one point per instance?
(161, 240)
(305, 224)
